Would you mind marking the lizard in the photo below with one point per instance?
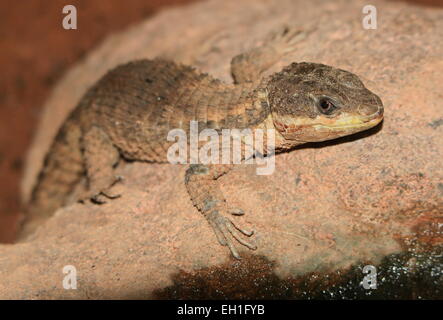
(127, 114)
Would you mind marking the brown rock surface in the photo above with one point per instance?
(324, 209)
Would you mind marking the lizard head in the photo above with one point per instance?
(312, 102)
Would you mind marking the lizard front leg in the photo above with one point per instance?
(100, 157)
(202, 186)
(248, 66)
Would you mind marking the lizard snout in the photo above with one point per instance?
(370, 112)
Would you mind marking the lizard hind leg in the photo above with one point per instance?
(100, 157)
(207, 197)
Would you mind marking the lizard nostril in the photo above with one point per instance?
(368, 110)
(379, 113)
(369, 113)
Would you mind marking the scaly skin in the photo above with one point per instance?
(129, 112)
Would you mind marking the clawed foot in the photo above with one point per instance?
(226, 231)
(102, 192)
(285, 38)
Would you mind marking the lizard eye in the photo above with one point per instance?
(326, 106)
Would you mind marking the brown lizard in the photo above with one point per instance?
(128, 113)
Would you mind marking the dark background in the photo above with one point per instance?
(34, 52)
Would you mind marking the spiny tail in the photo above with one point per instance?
(62, 170)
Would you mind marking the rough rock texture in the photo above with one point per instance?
(326, 207)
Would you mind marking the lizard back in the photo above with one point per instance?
(137, 104)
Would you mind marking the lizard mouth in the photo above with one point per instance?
(349, 122)
(353, 122)
(326, 128)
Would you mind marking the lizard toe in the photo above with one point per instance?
(102, 196)
(110, 194)
(101, 190)
(226, 231)
(99, 197)
(236, 211)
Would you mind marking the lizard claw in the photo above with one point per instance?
(285, 38)
(100, 197)
(99, 194)
(236, 211)
(226, 230)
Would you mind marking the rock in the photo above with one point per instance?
(373, 198)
